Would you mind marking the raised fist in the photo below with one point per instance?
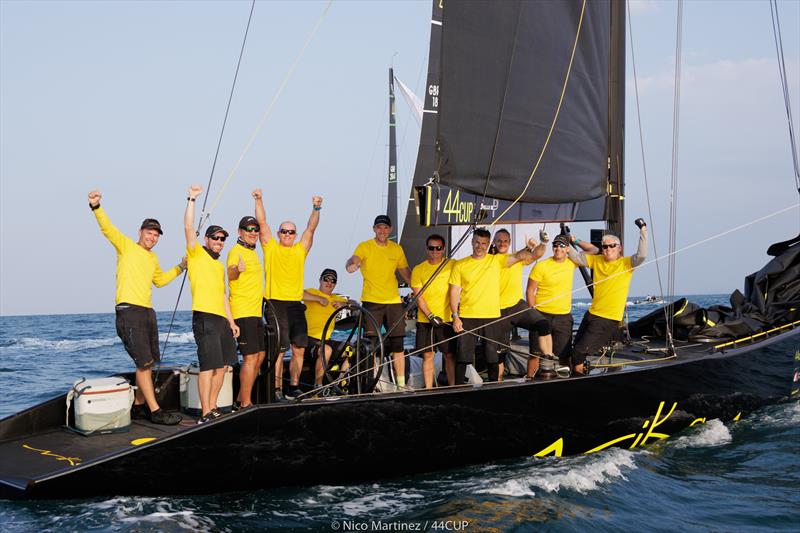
(543, 236)
(316, 201)
(257, 194)
(94, 197)
(194, 191)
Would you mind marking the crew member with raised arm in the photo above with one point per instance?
(550, 291)
(475, 301)
(379, 259)
(213, 326)
(611, 278)
(517, 310)
(137, 271)
(320, 305)
(245, 293)
(434, 328)
(284, 262)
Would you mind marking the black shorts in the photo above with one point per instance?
(466, 342)
(523, 316)
(251, 335)
(312, 350)
(386, 315)
(292, 323)
(442, 338)
(561, 329)
(593, 334)
(138, 329)
(216, 346)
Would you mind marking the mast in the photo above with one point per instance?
(616, 122)
(391, 202)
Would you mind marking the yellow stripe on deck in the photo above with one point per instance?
(143, 440)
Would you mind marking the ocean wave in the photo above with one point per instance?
(144, 513)
(61, 345)
(712, 433)
(187, 337)
(581, 474)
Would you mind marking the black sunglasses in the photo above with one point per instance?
(559, 245)
(437, 248)
(251, 229)
(329, 279)
(287, 231)
(612, 245)
(218, 238)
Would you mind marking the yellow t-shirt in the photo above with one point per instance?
(245, 291)
(611, 283)
(436, 295)
(137, 269)
(207, 278)
(317, 314)
(511, 284)
(554, 292)
(284, 266)
(479, 280)
(378, 266)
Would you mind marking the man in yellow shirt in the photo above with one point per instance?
(519, 313)
(611, 278)
(245, 294)
(320, 305)
(137, 271)
(284, 263)
(475, 301)
(212, 323)
(550, 291)
(379, 259)
(434, 328)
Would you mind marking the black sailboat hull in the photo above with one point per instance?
(356, 439)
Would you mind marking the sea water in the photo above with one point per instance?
(742, 476)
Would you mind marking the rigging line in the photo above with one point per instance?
(776, 32)
(644, 165)
(555, 118)
(574, 291)
(213, 167)
(673, 215)
(268, 110)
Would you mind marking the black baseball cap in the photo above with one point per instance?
(151, 223)
(215, 229)
(248, 221)
(562, 239)
(382, 219)
(329, 272)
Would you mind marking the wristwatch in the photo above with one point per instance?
(455, 315)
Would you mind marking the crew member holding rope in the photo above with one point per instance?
(284, 262)
(517, 310)
(320, 304)
(137, 271)
(379, 259)
(245, 290)
(475, 301)
(212, 324)
(550, 291)
(611, 277)
(434, 330)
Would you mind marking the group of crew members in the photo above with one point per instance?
(459, 301)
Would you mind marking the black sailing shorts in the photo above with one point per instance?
(251, 335)
(292, 323)
(138, 329)
(216, 345)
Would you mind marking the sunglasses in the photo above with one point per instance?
(218, 238)
(612, 245)
(287, 231)
(329, 279)
(251, 229)
(436, 248)
(559, 245)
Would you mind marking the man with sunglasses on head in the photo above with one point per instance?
(379, 259)
(434, 330)
(245, 293)
(320, 305)
(611, 278)
(475, 301)
(284, 263)
(137, 271)
(550, 291)
(213, 326)
(516, 311)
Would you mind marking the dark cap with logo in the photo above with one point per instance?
(382, 219)
(329, 272)
(248, 221)
(215, 229)
(562, 239)
(151, 223)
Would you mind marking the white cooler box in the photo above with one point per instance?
(190, 396)
(102, 405)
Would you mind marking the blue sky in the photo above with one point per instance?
(128, 97)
